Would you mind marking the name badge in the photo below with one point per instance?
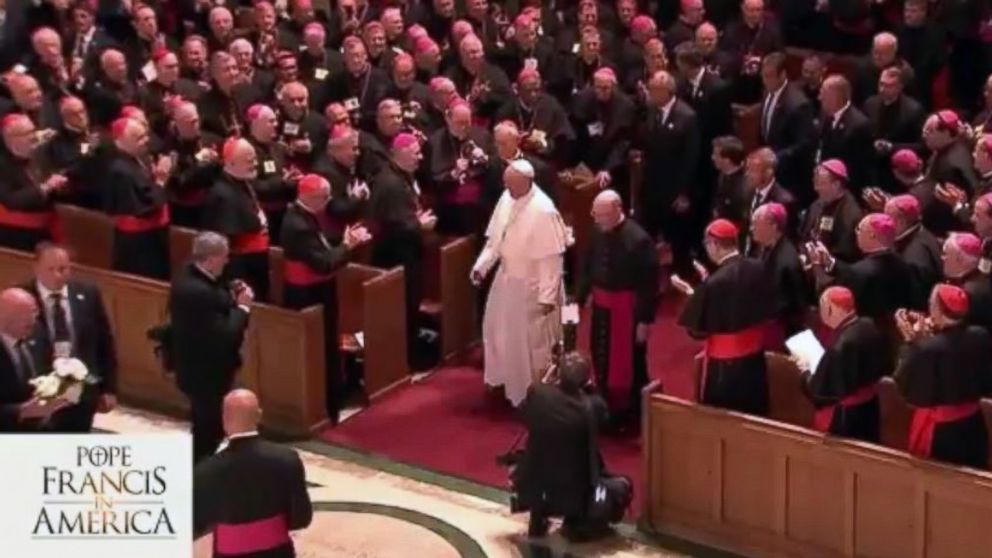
(262, 219)
(84, 148)
(575, 48)
(351, 104)
(984, 265)
(320, 73)
(148, 71)
(291, 128)
(826, 224)
(596, 129)
(269, 167)
(530, 63)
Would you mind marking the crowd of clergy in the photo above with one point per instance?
(324, 127)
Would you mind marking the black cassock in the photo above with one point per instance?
(621, 273)
(345, 207)
(844, 385)
(191, 179)
(273, 190)
(398, 238)
(833, 223)
(460, 202)
(140, 212)
(730, 311)
(27, 215)
(793, 297)
(309, 261)
(921, 250)
(251, 495)
(944, 376)
(232, 210)
(881, 283)
(546, 117)
(978, 285)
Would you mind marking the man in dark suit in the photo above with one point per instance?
(20, 360)
(729, 197)
(73, 323)
(845, 132)
(553, 477)
(252, 494)
(209, 320)
(884, 54)
(786, 125)
(669, 139)
(896, 120)
(761, 187)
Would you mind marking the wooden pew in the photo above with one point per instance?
(449, 297)
(894, 415)
(283, 351)
(180, 246)
(987, 413)
(371, 301)
(756, 487)
(89, 235)
(788, 402)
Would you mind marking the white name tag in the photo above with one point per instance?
(269, 167)
(984, 265)
(84, 148)
(596, 129)
(291, 128)
(351, 104)
(575, 48)
(148, 70)
(262, 219)
(320, 74)
(826, 224)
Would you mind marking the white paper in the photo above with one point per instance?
(806, 347)
(570, 314)
(360, 338)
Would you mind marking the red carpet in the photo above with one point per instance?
(446, 424)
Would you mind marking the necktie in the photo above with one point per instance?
(26, 367)
(767, 114)
(60, 322)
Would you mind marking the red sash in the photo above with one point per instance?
(620, 367)
(133, 224)
(251, 537)
(726, 346)
(250, 243)
(191, 198)
(823, 417)
(926, 419)
(300, 274)
(26, 219)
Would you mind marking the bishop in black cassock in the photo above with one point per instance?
(621, 273)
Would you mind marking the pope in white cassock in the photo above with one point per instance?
(522, 323)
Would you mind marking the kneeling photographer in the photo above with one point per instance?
(560, 473)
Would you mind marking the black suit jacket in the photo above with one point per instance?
(207, 331)
(277, 484)
(850, 140)
(671, 156)
(14, 388)
(900, 125)
(792, 135)
(92, 337)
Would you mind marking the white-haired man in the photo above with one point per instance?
(527, 237)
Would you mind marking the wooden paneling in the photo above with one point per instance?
(458, 297)
(783, 491)
(788, 402)
(283, 351)
(89, 235)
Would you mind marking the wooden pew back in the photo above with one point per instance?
(180, 246)
(371, 301)
(788, 402)
(89, 235)
(277, 275)
(283, 351)
(761, 488)
(895, 416)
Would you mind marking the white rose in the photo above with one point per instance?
(46, 387)
(70, 368)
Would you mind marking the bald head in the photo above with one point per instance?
(240, 159)
(607, 210)
(26, 92)
(242, 412)
(18, 312)
(835, 93)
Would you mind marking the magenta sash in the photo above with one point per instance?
(254, 536)
(620, 367)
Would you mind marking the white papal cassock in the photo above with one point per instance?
(527, 237)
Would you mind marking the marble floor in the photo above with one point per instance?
(367, 508)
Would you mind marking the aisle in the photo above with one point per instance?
(446, 423)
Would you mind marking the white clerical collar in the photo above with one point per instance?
(841, 112)
(727, 257)
(240, 435)
(45, 293)
(204, 271)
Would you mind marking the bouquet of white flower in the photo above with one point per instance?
(67, 379)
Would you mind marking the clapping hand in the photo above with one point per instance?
(427, 219)
(54, 183)
(819, 256)
(875, 198)
(681, 204)
(162, 169)
(681, 284)
(603, 178)
(356, 235)
(950, 194)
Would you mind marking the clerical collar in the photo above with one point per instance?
(204, 271)
(722, 260)
(306, 208)
(846, 322)
(242, 435)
